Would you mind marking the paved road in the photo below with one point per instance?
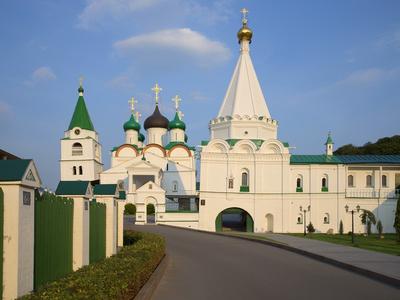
(204, 266)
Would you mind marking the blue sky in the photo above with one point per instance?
(323, 66)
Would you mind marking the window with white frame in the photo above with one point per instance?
(77, 149)
(175, 186)
(230, 183)
(350, 181)
(245, 178)
(73, 170)
(326, 218)
(368, 180)
(300, 219)
(384, 181)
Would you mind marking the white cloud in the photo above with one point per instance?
(368, 76)
(182, 40)
(122, 81)
(41, 74)
(4, 108)
(102, 11)
(390, 40)
(96, 11)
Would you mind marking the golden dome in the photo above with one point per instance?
(245, 33)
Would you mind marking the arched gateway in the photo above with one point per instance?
(234, 219)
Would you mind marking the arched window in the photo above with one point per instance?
(175, 186)
(230, 183)
(80, 170)
(77, 149)
(299, 183)
(350, 181)
(324, 183)
(384, 181)
(369, 181)
(326, 218)
(74, 170)
(300, 219)
(245, 178)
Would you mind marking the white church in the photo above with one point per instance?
(249, 180)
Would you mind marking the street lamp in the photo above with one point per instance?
(352, 220)
(304, 217)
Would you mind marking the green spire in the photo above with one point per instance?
(81, 117)
(329, 139)
(132, 124)
(177, 123)
(141, 137)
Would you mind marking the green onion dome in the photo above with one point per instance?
(141, 137)
(177, 123)
(132, 124)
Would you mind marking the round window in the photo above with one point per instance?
(77, 131)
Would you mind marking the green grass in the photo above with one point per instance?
(387, 245)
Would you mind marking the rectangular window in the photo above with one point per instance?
(26, 198)
(230, 184)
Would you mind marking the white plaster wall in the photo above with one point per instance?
(80, 249)
(131, 137)
(177, 135)
(157, 136)
(111, 224)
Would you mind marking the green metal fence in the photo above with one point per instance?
(53, 237)
(97, 231)
(1, 240)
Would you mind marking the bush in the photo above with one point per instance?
(118, 277)
(150, 209)
(369, 227)
(130, 209)
(341, 227)
(310, 228)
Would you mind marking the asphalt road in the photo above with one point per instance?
(204, 266)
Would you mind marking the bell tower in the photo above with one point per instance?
(80, 147)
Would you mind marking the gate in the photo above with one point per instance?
(1, 240)
(97, 231)
(53, 238)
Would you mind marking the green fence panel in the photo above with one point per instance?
(53, 238)
(97, 231)
(1, 240)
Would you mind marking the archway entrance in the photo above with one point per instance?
(150, 213)
(130, 213)
(234, 219)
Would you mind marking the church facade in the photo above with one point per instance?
(249, 180)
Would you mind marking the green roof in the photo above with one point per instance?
(344, 159)
(329, 139)
(72, 187)
(81, 117)
(172, 144)
(105, 189)
(177, 123)
(141, 137)
(131, 124)
(204, 142)
(122, 195)
(232, 142)
(13, 169)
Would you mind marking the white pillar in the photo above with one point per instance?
(18, 245)
(80, 252)
(120, 225)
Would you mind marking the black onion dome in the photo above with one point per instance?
(156, 120)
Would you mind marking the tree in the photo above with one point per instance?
(341, 227)
(379, 227)
(396, 224)
(130, 209)
(367, 217)
(150, 209)
(310, 228)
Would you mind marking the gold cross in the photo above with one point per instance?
(176, 99)
(244, 11)
(138, 115)
(156, 89)
(81, 81)
(132, 103)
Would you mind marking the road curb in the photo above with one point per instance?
(146, 292)
(367, 273)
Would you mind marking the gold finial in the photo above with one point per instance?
(156, 89)
(176, 99)
(81, 81)
(132, 102)
(138, 115)
(244, 12)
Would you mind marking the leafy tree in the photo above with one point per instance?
(367, 217)
(310, 228)
(341, 227)
(130, 209)
(379, 227)
(386, 145)
(396, 224)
